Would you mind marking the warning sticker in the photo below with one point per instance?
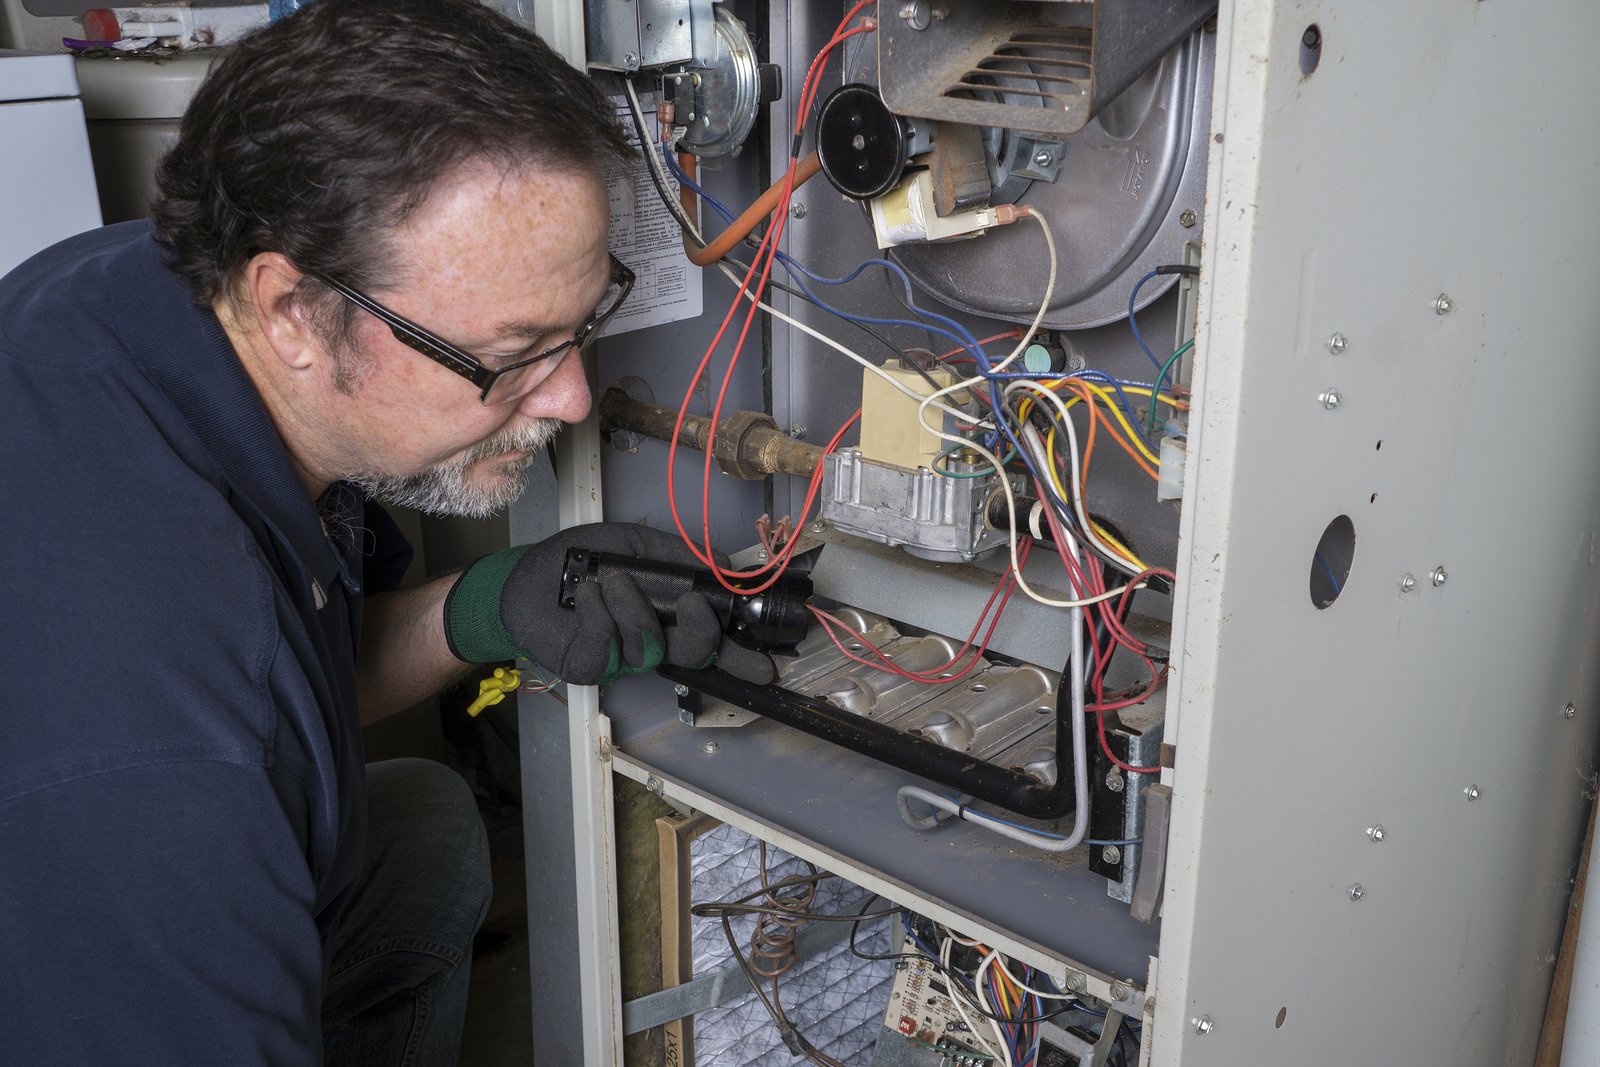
(645, 236)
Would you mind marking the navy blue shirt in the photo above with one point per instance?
(182, 803)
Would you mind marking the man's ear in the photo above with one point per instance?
(269, 285)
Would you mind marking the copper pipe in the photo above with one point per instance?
(745, 223)
(748, 443)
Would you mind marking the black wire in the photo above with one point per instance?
(675, 209)
(954, 978)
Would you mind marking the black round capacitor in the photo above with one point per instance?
(862, 143)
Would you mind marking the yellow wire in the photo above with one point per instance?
(1116, 409)
(1055, 479)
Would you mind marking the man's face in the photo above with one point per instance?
(503, 265)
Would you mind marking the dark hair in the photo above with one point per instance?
(319, 134)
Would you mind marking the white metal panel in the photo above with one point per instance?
(1444, 147)
(47, 190)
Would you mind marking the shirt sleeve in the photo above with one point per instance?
(159, 915)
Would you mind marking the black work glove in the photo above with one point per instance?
(506, 605)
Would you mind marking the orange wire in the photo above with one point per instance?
(763, 260)
(1082, 392)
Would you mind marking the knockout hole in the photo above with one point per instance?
(1283, 1013)
(1331, 560)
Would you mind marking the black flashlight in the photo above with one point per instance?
(772, 620)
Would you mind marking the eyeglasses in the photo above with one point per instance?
(498, 385)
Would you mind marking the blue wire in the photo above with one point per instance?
(1329, 572)
(962, 336)
(956, 332)
(1133, 322)
(1041, 833)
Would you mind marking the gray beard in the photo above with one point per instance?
(444, 490)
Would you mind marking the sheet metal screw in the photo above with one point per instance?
(653, 785)
(1443, 305)
(797, 211)
(1438, 576)
(1356, 892)
(1376, 833)
(1202, 1024)
(761, 553)
(1187, 218)
(1111, 854)
(1114, 781)
(1330, 399)
(630, 61)
(1408, 584)
(1337, 343)
(1043, 158)
(710, 747)
(1076, 982)
(1119, 991)
(818, 526)
(1570, 711)
(1472, 792)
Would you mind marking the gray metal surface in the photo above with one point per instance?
(838, 809)
(1340, 202)
(1116, 211)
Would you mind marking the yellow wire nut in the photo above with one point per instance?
(493, 689)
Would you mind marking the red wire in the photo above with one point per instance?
(1003, 589)
(981, 342)
(763, 260)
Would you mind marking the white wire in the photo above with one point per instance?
(993, 460)
(1029, 988)
(994, 1005)
(654, 162)
(1049, 291)
(1031, 439)
(955, 998)
(838, 347)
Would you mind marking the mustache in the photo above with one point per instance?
(529, 437)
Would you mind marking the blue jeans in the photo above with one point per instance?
(397, 990)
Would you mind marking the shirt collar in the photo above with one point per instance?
(192, 361)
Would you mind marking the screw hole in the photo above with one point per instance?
(1283, 1013)
(1373, 499)
(1310, 49)
(1043, 710)
(1330, 562)
(1378, 447)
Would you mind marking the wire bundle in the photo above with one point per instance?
(1001, 1001)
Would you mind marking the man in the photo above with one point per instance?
(380, 241)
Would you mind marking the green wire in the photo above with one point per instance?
(936, 467)
(1155, 390)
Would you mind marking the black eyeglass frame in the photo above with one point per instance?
(465, 363)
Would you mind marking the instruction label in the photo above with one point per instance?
(645, 236)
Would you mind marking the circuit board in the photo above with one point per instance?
(920, 1008)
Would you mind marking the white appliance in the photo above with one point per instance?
(47, 189)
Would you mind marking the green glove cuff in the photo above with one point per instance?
(472, 625)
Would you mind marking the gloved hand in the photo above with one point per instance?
(505, 605)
